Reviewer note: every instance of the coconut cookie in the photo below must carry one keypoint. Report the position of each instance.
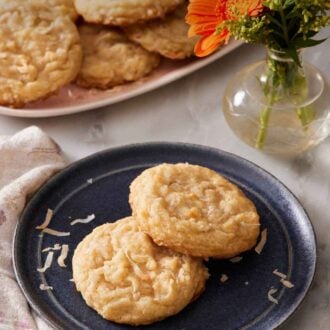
(110, 59)
(124, 12)
(128, 279)
(194, 210)
(168, 37)
(66, 6)
(39, 52)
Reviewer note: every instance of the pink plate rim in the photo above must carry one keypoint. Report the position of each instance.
(138, 89)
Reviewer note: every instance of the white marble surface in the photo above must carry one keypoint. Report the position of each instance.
(189, 110)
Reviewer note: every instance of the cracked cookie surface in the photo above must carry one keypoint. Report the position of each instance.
(124, 12)
(194, 210)
(168, 37)
(40, 52)
(110, 59)
(128, 279)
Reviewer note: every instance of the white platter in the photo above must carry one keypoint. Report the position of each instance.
(72, 99)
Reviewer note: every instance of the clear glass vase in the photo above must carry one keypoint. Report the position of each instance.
(278, 106)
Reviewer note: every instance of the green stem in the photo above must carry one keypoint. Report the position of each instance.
(286, 82)
(294, 36)
(263, 124)
(284, 27)
(306, 116)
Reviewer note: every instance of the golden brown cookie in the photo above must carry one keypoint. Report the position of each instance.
(40, 52)
(110, 59)
(66, 6)
(63, 6)
(194, 210)
(128, 279)
(124, 12)
(168, 37)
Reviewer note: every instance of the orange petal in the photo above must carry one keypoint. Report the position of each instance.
(202, 11)
(204, 16)
(202, 7)
(256, 8)
(208, 44)
(202, 29)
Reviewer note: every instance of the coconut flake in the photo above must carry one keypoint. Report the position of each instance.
(48, 218)
(270, 295)
(87, 220)
(56, 247)
(63, 255)
(279, 274)
(70, 94)
(223, 278)
(287, 283)
(45, 287)
(262, 242)
(90, 181)
(55, 232)
(283, 279)
(235, 259)
(48, 262)
(138, 271)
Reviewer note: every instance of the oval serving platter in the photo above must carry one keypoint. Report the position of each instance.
(72, 99)
(99, 185)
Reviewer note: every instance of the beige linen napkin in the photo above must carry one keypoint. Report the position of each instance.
(27, 160)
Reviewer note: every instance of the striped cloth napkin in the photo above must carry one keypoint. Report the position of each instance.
(27, 160)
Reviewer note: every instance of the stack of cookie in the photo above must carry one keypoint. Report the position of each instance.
(149, 266)
(123, 40)
(44, 46)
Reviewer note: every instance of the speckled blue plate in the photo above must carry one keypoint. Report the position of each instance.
(239, 303)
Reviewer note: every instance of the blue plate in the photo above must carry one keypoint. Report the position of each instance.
(239, 303)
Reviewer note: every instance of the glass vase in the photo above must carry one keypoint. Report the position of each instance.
(278, 105)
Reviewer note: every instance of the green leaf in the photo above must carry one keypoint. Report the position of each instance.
(274, 20)
(293, 23)
(278, 34)
(288, 3)
(301, 43)
(311, 34)
(291, 14)
(292, 52)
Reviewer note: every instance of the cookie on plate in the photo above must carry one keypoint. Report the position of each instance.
(110, 59)
(124, 12)
(194, 210)
(168, 37)
(39, 52)
(128, 279)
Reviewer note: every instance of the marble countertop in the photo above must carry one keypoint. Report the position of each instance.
(189, 110)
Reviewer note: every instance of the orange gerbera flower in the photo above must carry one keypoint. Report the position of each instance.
(204, 16)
